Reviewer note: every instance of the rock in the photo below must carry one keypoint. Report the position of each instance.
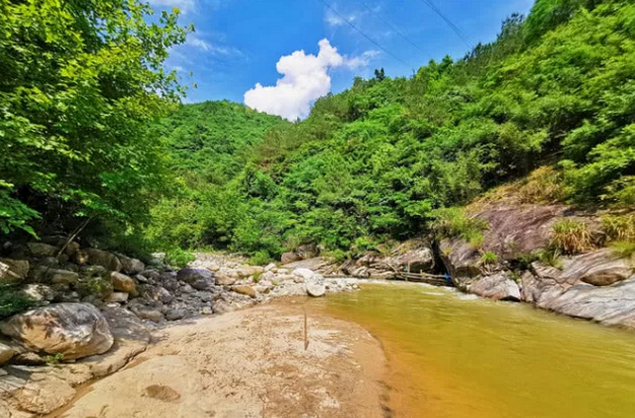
(315, 289)
(7, 352)
(39, 292)
(245, 290)
(39, 249)
(290, 257)
(13, 271)
(123, 283)
(270, 267)
(75, 330)
(497, 286)
(105, 259)
(225, 279)
(29, 359)
(610, 305)
(303, 273)
(315, 264)
(149, 314)
(62, 277)
(202, 284)
(117, 297)
(175, 314)
(161, 294)
(155, 275)
(44, 395)
(247, 271)
(49, 262)
(131, 338)
(81, 257)
(131, 265)
(71, 249)
(307, 251)
(190, 275)
(599, 268)
(94, 271)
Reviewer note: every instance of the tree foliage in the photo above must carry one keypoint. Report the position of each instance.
(79, 82)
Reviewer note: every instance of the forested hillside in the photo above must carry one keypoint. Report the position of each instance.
(83, 151)
(381, 159)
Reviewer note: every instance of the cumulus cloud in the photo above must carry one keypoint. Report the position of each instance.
(305, 79)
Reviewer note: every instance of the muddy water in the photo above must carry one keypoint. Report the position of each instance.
(451, 355)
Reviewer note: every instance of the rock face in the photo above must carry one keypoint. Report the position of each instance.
(597, 285)
(74, 330)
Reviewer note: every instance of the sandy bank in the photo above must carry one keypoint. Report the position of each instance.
(249, 363)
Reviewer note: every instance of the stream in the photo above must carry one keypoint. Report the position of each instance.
(454, 355)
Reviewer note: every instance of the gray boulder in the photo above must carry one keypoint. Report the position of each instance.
(74, 330)
(190, 275)
(40, 249)
(13, 271)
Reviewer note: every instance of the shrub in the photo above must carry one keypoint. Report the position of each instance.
(260, 258)
(571, 237)
(178, 257)
(12, 302)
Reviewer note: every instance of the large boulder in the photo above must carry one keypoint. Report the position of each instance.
(13, 271)
(122, 283)
(107, 260)
(74, 330)
(315, 289)
(191, 275)
(224, 279)
(7, 351)
(58, 276)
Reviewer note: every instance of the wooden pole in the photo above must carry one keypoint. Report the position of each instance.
(306, 332)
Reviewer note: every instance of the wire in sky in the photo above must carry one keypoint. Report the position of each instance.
(455, 28)
(393, 28)
(363, 34)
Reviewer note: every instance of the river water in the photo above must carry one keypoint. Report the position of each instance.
(452, 355)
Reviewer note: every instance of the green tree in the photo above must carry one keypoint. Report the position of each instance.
(79, 82)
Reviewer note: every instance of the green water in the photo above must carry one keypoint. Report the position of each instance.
(450, 355)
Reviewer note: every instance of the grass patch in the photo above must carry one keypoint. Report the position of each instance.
(619, 227)
(453, 223)
(550, 257)
(571, 237)
(488, 258)
(623, 249)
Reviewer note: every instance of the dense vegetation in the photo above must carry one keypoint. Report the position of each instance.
(81, 85)
(80, 81)
(380, 160)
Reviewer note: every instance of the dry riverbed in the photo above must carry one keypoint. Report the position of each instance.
(249, 363)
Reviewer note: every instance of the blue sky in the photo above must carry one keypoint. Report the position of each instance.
(238, 43)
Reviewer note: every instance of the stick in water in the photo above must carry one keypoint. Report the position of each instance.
(306, 337)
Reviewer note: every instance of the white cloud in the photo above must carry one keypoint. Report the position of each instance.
(213, 49)
(305, 79)
(334, 19)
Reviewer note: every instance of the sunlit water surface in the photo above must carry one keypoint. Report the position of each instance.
(451, 355)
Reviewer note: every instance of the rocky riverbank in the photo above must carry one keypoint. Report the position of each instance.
(518, 257)
(94, 311)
